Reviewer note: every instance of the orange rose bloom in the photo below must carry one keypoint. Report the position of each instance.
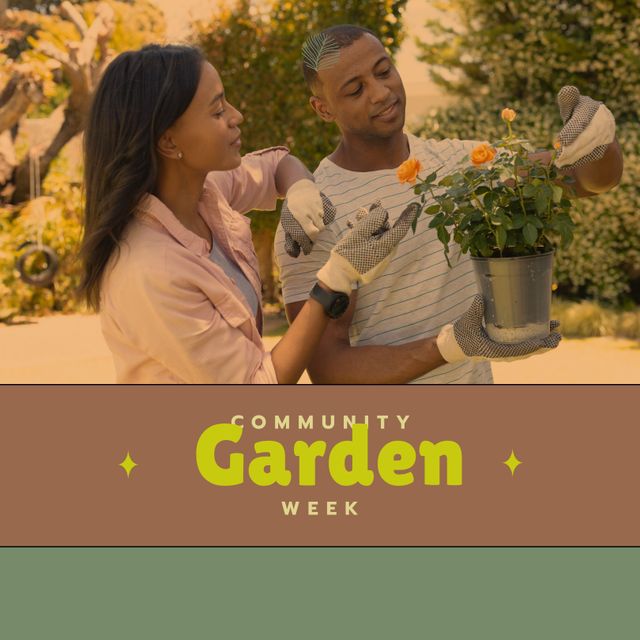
(408, 171)
(508, 115)
(557, 144)
(482, 153)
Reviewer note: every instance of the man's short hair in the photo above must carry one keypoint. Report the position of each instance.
(343, 35)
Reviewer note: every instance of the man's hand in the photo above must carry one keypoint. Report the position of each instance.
(589, 128)
(365, 251)
(305, 212)
(466, 339)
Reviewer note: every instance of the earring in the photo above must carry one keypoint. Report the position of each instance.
(179, 155)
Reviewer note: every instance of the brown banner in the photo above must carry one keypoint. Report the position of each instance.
(62, 483)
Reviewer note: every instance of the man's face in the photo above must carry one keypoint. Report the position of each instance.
(363, 92)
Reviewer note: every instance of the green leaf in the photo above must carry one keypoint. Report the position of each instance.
(437, 221)
(518, 220)
(443, 236)
(432, 210)
(505, 220)
(488, 200)
(530, 233)
(558, 192)
(501, 237)
(566, 235)
(542, 201)
(483, 246)
(448, 205)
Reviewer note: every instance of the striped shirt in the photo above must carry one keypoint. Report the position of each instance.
(418, 293)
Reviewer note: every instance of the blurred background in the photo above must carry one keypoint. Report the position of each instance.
(461, 61)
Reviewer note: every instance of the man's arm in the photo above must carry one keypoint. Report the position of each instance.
(335, 361)
(593, 178)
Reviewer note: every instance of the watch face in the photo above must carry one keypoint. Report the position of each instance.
(339, 305)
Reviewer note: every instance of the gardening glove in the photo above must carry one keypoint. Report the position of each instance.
(466, 339)
(589, 128)
(366, 250)
(305, 213)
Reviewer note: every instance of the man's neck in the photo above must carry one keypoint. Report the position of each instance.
(371, 154)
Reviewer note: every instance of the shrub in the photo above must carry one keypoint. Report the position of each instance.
(587, 319)
(58, 219)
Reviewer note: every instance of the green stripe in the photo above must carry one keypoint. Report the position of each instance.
(455, 594)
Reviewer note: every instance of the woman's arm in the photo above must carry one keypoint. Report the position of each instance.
(289, 171)
(296, 348)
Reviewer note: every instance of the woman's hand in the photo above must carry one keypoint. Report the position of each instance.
(365, 251)
(305, 204)
(305, 212)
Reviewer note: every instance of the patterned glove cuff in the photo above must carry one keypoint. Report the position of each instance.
(301, 185)
(448, 345)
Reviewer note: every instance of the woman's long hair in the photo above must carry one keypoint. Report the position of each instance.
(141, 94)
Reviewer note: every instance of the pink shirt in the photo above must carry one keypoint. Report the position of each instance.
(169, 314)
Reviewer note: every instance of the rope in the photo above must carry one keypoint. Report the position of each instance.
(35, 193)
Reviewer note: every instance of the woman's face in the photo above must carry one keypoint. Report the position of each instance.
(207, 133)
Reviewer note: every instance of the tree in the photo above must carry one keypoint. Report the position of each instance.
(255, 46)
(35, 5)
(66, 47)
(528, 49)
(519, 53)
(50, 62)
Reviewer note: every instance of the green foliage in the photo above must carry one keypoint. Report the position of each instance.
(520, 53)
(57, 216)
(136, 23)
(603, 262)
(506, 205)
(48, 6)
(518, 49)
(58, 219)
(587, 319)
(256, 48)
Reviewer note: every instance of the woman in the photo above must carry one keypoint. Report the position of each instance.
(168, 258)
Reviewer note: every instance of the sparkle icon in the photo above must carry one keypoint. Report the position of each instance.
(128, 464)
(512, 462)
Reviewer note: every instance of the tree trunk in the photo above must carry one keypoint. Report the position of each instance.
(263, 243)
(72, 125)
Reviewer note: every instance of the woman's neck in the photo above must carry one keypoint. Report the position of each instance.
(181, 191)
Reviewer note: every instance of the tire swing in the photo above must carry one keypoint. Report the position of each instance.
(38, 263)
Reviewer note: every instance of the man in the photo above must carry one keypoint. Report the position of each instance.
(400, 327)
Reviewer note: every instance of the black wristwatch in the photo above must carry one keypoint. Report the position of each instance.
(334, 303)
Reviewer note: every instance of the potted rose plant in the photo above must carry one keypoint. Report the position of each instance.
(509, 212)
